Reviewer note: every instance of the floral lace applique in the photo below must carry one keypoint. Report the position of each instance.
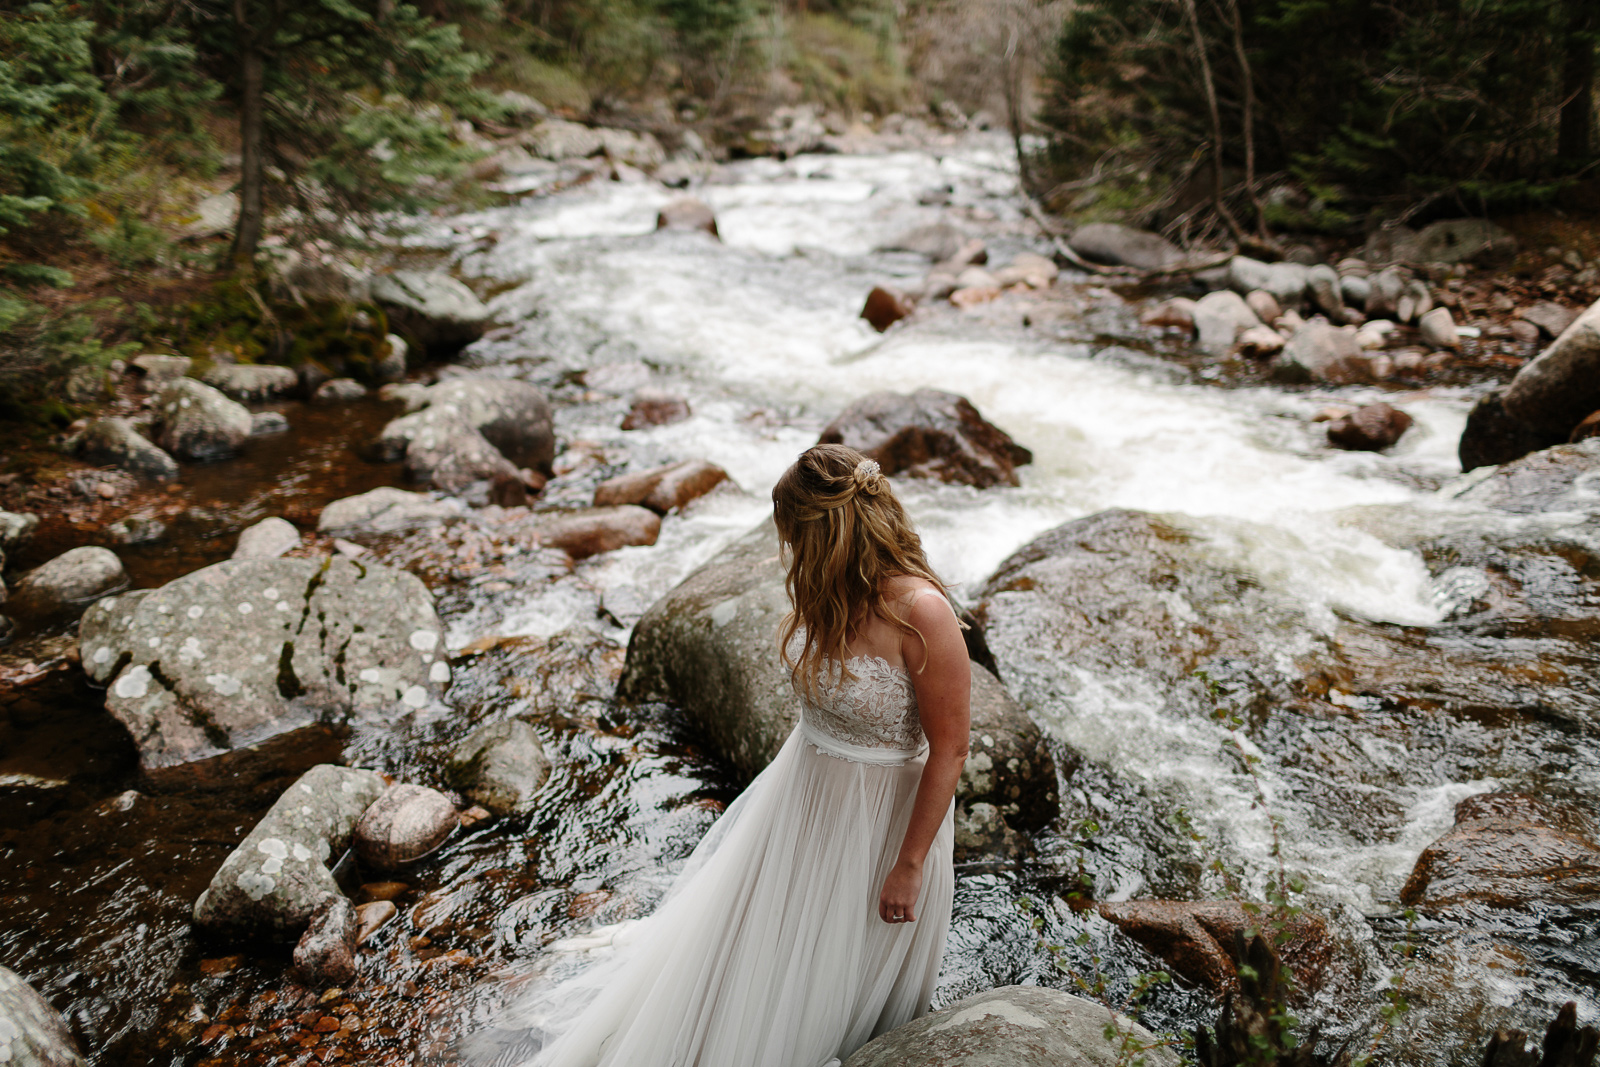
(876, 708)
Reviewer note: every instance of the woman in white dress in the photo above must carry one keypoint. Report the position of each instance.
(812, 917)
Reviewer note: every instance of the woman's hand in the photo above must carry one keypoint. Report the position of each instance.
(898, 901)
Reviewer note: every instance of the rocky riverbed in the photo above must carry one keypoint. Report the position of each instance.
(1221, 646)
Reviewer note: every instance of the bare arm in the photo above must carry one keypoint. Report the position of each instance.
(942, 678)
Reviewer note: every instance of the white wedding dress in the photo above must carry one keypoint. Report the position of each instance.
(768, 950)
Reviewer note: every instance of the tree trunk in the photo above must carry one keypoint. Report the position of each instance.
(1577, 85)
(247, 237)
(1210, 86)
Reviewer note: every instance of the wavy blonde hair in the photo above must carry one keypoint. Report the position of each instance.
(845, 535)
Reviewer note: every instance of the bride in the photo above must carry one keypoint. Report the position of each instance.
(812, 916)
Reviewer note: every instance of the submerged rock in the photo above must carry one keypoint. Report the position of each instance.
(929, 434)
(710, 647)
(402, 826)
(501, 767)
(1199, 939)
(1016, 1026)
(1509, 850)
(652, 407)
(198, 422)
(383, 511)
(1370, 428)
(247, 649)
(32, 1033)
(115, 442)
(1559, 478)
(433, 309)
(68, 583)
(280, 874)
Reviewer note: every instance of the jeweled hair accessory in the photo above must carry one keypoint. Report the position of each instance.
(869, 476)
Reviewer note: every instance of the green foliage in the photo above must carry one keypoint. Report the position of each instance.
(39, 345)
(851, 65)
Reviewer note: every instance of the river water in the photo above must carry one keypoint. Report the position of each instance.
(759, 331)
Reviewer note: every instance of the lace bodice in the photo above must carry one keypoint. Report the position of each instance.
(875, 708)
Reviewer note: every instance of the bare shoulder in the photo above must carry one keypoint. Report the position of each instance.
(910, 592)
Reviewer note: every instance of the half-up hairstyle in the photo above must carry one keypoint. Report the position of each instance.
(845, 535)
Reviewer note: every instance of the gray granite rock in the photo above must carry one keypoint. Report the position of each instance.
(448, 454)
(513, 416)
(16, 528)
(158, 370)
(252, 382)
(383, 511)
(326, 952)
(280, 874)
(1321, 353)
(500, 767)
(32, 1033)
(250, 648)
(1285, 281)
(435, 310)
(339, 391)
(267, 539)
(116, 443)
(1562, 386)
(1116, 245)
(1220, 318)
(199, 422)
(69, 582)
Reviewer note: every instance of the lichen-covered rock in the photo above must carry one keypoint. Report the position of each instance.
(32, 1033)
(280, 874)
(69, 583)
(116, 443)
(450, 455)
(252, 382)
(406, 823)
(513, 416)
(501, 766)
(385, 510)
(247, 649)
(929, 434)
(1016, 1026)
(198, 422)
(158, 370)
(267, 539)
(326, 952)
(661, 489)
(435, 310)
(710, 647)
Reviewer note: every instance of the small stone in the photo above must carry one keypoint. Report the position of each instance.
(1322, 281)
(267, 539)
(405, 824)
(1030, 269)
(1219, 318)
(115, 442)
(885, 307)
(475, 815)
(1264, 304)
(501, 766)
(383, 511)
(326, 952)
(687, 213)
(652, 407)
(1355, 289)
(1260, 342)
(266, 423)
(1524, 332)
(595, 530)
(339, 391)
(1438, 329)
(1177, 313)
(1371, 428)
(372, 917)
(661, 489)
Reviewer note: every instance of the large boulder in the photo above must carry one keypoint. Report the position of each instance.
(198, 422)
(1559, 478)
(500, 766)
(1017, 1026)
(929, 434)
(114, 442)
(1124, 246)
(281, 872)
(252, 382)
(1509, 850)
(384, 510)
(247, 649)
(513, 416)
(69, 583)
(432, 309)
(710, 647)
(32, 1033)
(1321, 353)
(1492, 436)
(1220, 318)
(1554, 392)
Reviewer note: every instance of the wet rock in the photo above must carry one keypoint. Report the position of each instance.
(1030, 269)
(1014, 1026)
(159, 370)
(1264, 304)
(1589, 427)
(973, 295)
(264, 423)
(137, 530)
(32, 1033)
(661, 489)
(1177, 313)
(687, 213)
(1122, 246)
(559, 139)
(1509, 850)
(501, 767)
(1370, 428)
(434, 310)
(1439, 329)
(929, 434)
(652, 407)
(1550, 318)
(68, 583)
(1492, 437)
(1260, 342)
(267, 539)
(1554, 392)
(326, 952)
(709, 647)
(247, 649)
(451, 455)
(391, 367)
(383, 511)
(338, 391)
(198, 422)
(938, 241)
(1285, 281)
(1199, 939)
(513, 416)
(589, 532)
(1322, 281)
(116, 443)
(16, 529)
(402, 826)
(279, 875)
(1355, 289)
(1321, 353)
(372, 917)
(252, 382)
(885, 307)
(1220, 318)
(101, 485)
(1555, 479)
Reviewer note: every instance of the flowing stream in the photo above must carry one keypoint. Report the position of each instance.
(759, 331)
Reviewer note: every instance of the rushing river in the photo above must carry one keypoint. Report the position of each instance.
(759, 331)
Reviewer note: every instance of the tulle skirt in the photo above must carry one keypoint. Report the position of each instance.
(768, 950)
